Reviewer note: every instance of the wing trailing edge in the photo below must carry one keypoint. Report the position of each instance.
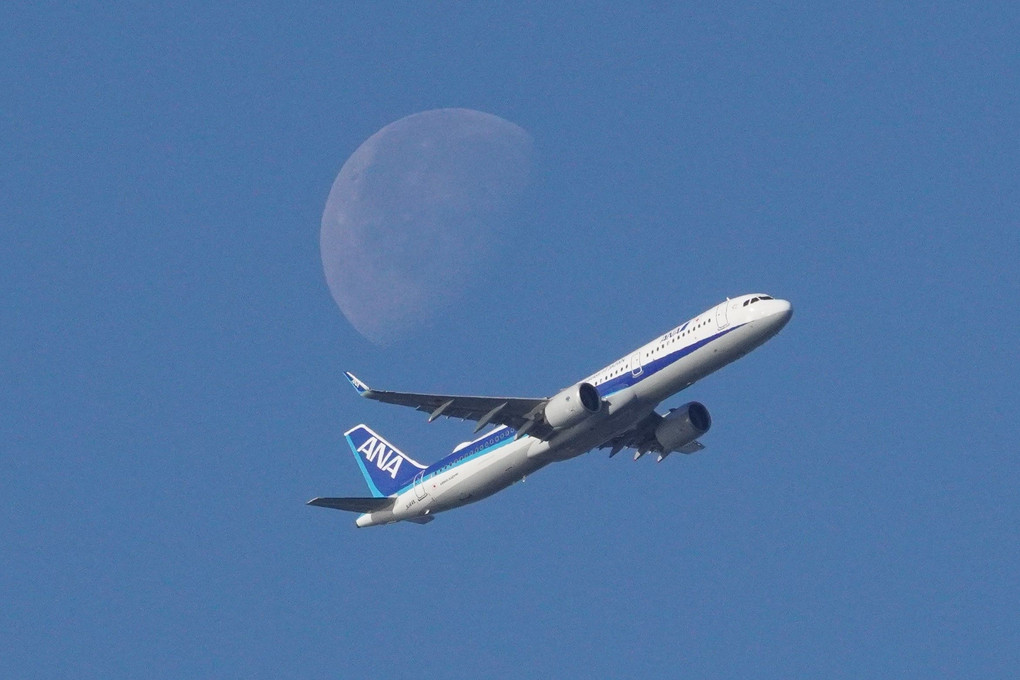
(522, 414)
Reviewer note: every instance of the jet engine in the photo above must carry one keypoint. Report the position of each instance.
(682, 426)
(572, 405)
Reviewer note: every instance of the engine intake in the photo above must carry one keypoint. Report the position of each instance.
(572, 405)
(682, 426)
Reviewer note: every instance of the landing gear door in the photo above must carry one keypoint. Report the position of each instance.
(419, 486)
(722, 315)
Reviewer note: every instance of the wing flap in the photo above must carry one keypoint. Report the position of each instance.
(693, 447)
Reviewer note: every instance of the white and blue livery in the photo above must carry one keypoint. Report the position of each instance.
(613, 408)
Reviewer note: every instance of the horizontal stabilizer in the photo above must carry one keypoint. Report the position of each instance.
(353, 504)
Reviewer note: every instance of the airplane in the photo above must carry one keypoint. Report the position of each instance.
(613, 408)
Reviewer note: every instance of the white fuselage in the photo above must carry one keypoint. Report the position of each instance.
(630, 387)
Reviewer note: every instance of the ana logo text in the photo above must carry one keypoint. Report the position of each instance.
(385, 458)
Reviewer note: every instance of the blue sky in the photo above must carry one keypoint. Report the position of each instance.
(172, 360)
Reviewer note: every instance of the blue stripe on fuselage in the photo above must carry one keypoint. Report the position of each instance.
(628, 379)
(498, 438)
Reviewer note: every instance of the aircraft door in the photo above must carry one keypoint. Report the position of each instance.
(419, 486)
(635, 364)
(722, 315)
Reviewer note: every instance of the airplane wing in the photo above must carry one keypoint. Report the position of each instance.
(642, 439)
(524, 415)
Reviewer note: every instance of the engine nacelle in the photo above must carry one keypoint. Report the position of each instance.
(682, 426)
(572, 405)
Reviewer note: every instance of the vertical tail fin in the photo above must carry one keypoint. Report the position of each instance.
(386, 468)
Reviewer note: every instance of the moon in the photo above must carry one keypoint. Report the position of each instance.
(414, 212)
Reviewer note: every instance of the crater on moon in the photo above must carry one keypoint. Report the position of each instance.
(413, 213)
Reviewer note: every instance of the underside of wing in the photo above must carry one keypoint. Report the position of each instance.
(522, 414)
(642, 439)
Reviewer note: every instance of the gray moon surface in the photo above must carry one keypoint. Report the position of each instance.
(413, 214)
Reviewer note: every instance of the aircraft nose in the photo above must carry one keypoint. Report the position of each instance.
(784, 307)
(782, 311)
